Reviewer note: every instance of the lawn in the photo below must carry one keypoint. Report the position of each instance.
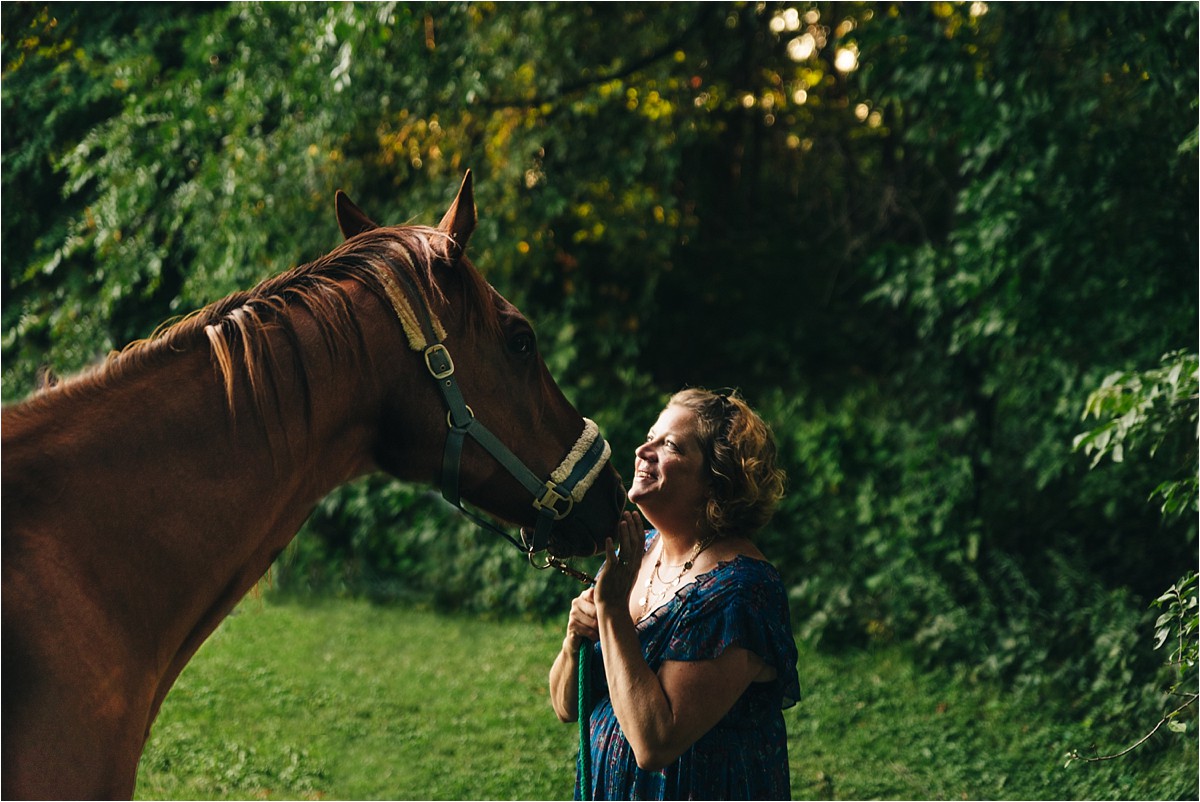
(346, 700)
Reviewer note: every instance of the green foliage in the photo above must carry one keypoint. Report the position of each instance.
(1179, 626)
(915, 235)
(1146, 410)
(1149, 409)
(1012, 294)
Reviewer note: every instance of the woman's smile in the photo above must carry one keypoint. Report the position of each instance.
(645, 474)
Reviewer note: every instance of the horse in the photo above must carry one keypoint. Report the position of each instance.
(143, 498)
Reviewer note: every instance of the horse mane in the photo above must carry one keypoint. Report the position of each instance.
(237, 327)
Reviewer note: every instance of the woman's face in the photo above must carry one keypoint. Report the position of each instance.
(669, 480)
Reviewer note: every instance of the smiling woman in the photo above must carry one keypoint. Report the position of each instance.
(692, 673)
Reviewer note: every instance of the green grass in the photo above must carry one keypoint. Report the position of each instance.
(345, 700)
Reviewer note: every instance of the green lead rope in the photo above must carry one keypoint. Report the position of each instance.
(584, 763)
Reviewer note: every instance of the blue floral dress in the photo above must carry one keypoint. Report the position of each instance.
(743, 603)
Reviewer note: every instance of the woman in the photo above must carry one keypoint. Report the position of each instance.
(695, 658)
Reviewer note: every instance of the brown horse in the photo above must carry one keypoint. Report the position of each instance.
(143, 499)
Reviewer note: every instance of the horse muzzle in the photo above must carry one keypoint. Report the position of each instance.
(591, 521)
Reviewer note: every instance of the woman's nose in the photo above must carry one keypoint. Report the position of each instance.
(643, 452)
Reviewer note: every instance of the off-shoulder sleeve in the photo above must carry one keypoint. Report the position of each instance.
(742, 603)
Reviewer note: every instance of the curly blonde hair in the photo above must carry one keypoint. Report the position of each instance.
(739, 458)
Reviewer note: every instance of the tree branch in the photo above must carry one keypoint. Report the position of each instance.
(1074, 753)
(584, 83)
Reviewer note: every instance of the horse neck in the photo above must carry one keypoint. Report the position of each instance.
(150, 491)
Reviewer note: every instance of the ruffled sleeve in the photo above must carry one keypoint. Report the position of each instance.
(741, 603)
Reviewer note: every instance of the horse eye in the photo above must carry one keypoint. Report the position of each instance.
(522, 344)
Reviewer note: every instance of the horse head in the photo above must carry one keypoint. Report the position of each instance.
(485, 420)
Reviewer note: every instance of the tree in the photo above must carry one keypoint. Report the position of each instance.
(915, 235)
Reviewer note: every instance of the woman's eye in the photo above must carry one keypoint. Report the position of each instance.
(522, 344)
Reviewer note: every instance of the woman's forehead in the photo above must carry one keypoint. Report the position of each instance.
(676, 420)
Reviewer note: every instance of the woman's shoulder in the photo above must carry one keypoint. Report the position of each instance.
(741, 601)
(730, 549)
(741, 557)
(741, 573)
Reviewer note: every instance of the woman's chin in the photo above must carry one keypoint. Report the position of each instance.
(643, 498)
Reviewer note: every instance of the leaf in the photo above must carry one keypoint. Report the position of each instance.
(1168, 596)
(1161, 637)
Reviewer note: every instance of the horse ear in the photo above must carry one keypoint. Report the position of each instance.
(459, 220)
(351, 219)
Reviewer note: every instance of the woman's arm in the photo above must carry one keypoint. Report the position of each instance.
(581, 629)
(563, 689)
(661, 714)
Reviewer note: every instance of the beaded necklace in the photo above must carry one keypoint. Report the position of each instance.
(674, 583)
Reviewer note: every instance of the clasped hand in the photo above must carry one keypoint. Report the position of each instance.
(610, 596)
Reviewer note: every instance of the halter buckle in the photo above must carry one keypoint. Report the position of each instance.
(550, 500)
(438, 361)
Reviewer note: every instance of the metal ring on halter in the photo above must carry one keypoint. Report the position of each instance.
(562, 568)
(450, 421)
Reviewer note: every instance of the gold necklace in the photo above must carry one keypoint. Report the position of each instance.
(674, 583)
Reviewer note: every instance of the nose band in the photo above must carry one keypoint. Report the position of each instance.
(589, 440)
